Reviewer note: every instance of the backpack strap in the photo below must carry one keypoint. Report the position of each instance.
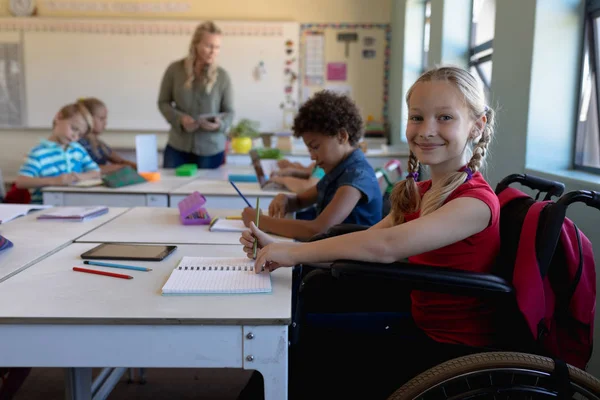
(561, 379)
(527, 279)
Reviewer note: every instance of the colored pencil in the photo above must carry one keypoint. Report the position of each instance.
(112, 265)
(93, 271)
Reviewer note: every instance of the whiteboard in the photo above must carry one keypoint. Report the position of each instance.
(122, 63)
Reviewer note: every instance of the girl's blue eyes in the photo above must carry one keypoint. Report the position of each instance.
(441, 118)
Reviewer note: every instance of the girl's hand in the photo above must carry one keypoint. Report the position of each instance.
(249, 237)
(279, 205)
(248, 215)
(275, 255)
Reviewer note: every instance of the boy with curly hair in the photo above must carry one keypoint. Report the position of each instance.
(331, 126)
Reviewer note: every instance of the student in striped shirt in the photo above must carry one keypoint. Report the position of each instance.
(59, 160)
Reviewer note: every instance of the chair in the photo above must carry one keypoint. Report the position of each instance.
(377, 318)
(387, 177)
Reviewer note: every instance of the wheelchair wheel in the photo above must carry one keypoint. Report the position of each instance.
(495, 375)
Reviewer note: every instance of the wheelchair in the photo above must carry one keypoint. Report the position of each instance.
(369, 299)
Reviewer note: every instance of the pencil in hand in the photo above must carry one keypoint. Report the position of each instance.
(255, 248)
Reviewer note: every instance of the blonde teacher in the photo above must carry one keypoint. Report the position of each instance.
(196, 99)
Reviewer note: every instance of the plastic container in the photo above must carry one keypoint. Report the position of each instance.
(186, 170)
(192, 211)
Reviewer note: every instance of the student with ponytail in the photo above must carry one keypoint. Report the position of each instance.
(451, 220)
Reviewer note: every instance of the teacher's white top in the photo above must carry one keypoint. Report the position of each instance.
(64, 296)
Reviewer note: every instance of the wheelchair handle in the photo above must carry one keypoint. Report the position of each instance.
(590, 198)
(551, 188)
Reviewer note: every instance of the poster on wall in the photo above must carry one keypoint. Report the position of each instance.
(314, 58)
(337, 71)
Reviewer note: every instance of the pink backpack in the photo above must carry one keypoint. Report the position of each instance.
(551, 266)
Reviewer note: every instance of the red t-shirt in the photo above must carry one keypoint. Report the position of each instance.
(460, 319)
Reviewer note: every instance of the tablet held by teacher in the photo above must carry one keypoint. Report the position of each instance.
(196, 99)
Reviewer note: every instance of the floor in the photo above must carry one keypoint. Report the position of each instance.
(162, 383)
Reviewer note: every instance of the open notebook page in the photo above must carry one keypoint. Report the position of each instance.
(216, 275)
(228, 225)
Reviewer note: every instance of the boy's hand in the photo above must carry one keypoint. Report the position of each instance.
(248, 215)
(279, 205)
(65, 179)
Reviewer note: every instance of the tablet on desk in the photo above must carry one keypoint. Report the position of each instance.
(136, 252)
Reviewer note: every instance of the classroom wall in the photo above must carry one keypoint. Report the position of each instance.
(537, 111)
(14, 144)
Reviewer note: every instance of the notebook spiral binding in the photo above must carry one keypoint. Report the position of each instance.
(216, 268)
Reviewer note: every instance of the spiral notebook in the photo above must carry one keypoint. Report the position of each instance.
(216, 275)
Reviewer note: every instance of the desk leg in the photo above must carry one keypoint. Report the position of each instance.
(78, 383)
(265, 350)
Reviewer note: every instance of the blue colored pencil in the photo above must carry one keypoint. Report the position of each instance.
(240, 193)
(111, 265)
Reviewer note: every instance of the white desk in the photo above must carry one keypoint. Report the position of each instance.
(377, 157)
(35, 239)
(149, 194)
(222, 195)
(54, 317)
(161, 225)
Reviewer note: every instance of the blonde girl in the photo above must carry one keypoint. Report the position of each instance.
(101, 153)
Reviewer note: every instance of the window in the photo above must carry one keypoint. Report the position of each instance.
(426, 34)
(587, 138)
(482, 35)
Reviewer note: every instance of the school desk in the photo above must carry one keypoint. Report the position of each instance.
(376, 156)
(34, 239)
(150, 194)
(161, 225)
(222, 195)
(55, 317)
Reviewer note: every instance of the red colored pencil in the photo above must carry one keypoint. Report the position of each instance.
(93, 271)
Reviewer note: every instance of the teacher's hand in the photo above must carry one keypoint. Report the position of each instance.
(209, 126)
(189, 124)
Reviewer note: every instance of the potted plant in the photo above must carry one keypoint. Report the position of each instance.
(241, 135)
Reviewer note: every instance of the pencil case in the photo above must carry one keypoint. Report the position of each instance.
(186, 170)
(192, 211)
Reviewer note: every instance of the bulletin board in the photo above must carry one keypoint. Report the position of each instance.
(351, 59)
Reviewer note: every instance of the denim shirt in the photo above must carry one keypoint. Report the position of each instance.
(354, 171)
(100, 154)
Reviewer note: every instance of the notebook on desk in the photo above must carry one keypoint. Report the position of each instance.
(227, 225)
(216, 275)
(8, 212)
(88, 183)
(75, 213)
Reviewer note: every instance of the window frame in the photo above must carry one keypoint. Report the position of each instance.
(591, 37)
(475, 57)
